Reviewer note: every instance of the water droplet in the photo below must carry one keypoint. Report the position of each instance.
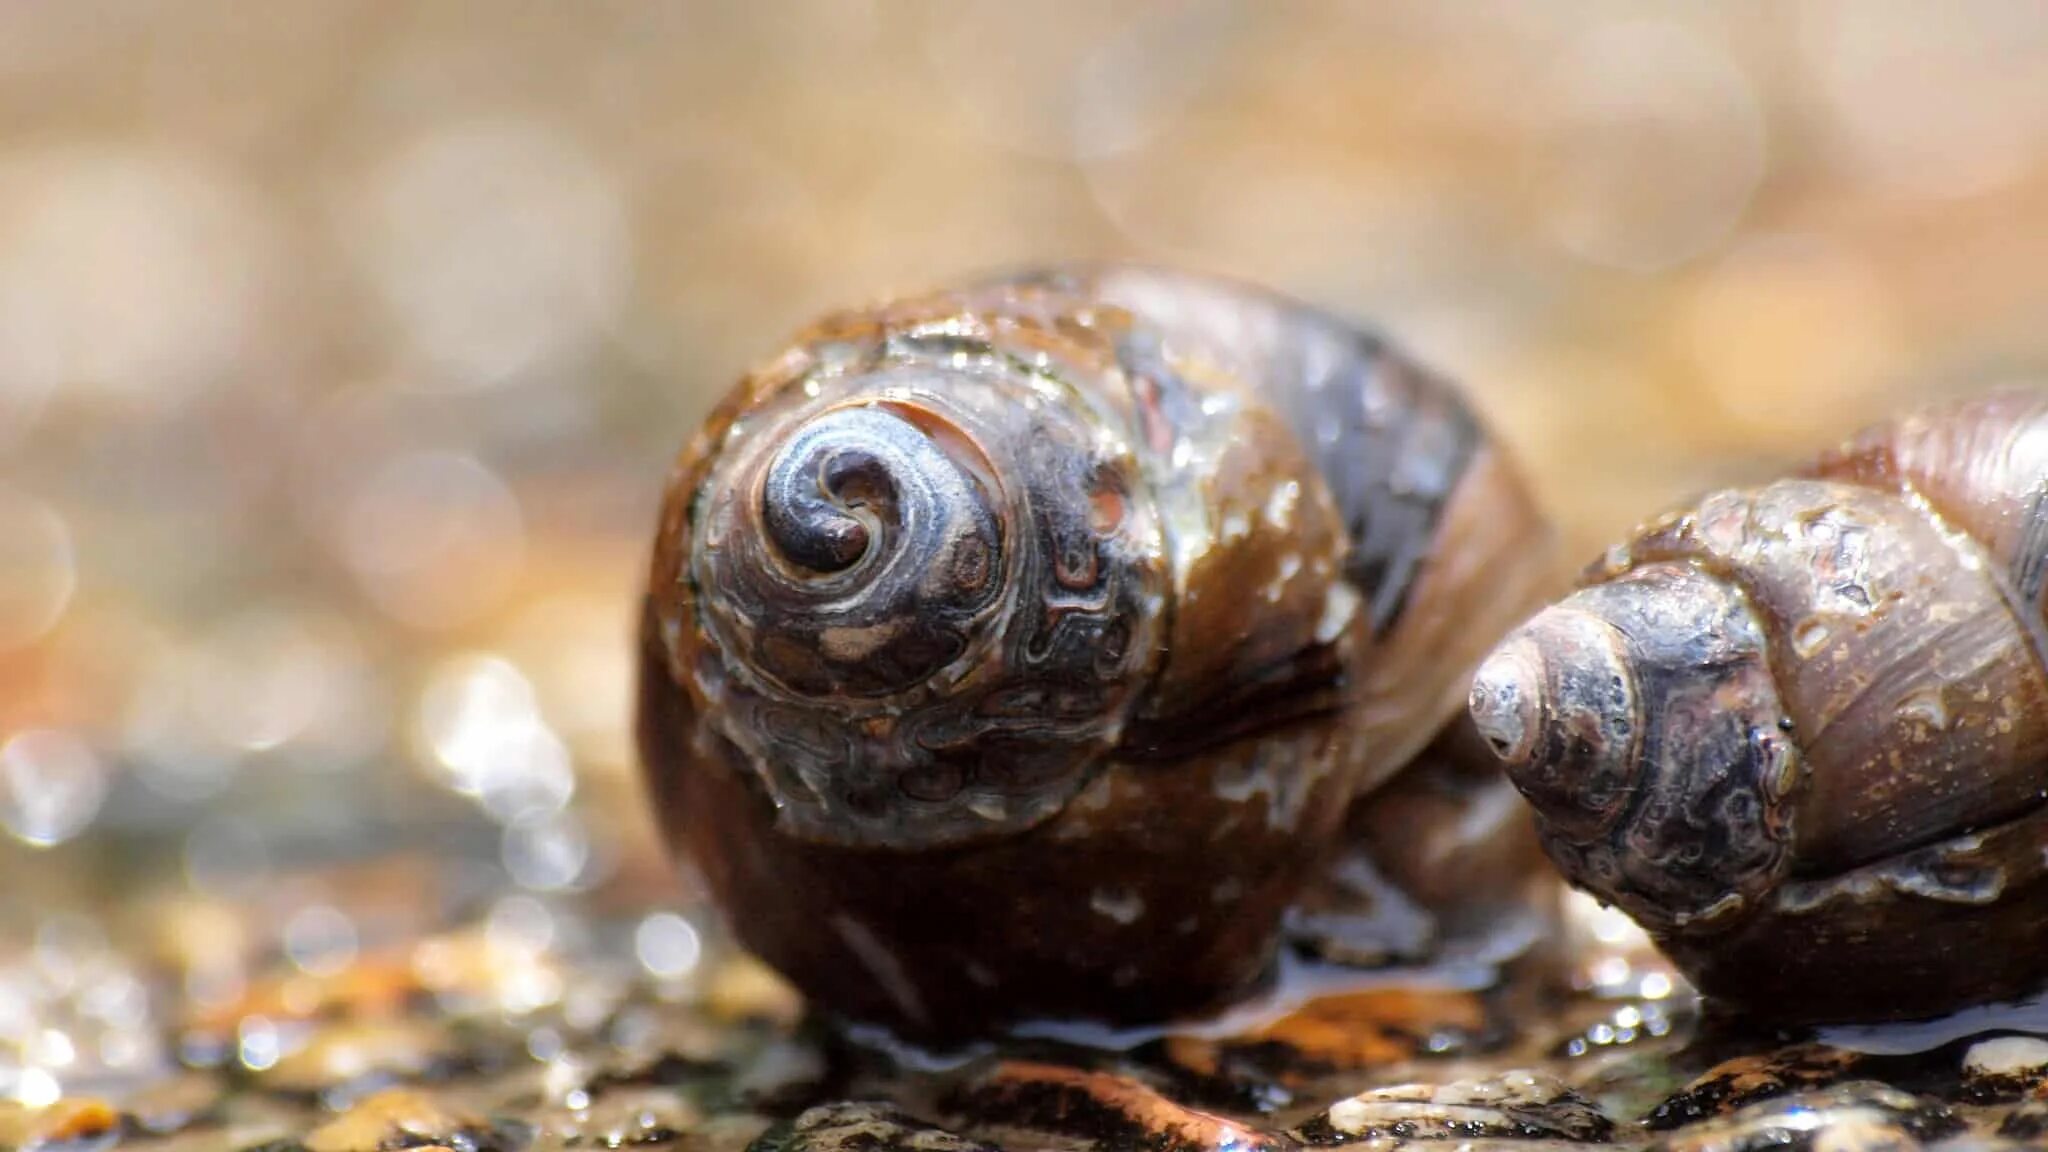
(1123, 905)
(667, 945)
(479, 717)
(258, 1043)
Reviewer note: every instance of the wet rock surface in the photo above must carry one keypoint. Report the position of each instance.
(854, 1126)
(552, 1027)
(1858, 1115)
(1516, 1105)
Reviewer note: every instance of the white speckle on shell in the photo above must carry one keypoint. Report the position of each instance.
(852, 644)
(1123, 905)
(1290, 567)
(987, 807)
(1338, 610)
(1287, 772)
(1280, 508)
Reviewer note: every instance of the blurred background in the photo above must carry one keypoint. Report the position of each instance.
(344, 346)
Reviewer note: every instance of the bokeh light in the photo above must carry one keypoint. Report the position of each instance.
(1631, 98)
(127, 272)
(51, 786)
(38, 569)
(499, 247)
(435, 538)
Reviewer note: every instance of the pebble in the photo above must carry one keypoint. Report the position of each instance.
(400, 1118)
(1859, 1116)
(743, 989)
(435, 1053)
(625, 1118)
(1358, 1031)
(72, 1121)
(2005, 1067)
(856, 1126)
(175, 1104)
(345, 1059)
(1517, 1105)
(1745, 1080)
(1109, 1110)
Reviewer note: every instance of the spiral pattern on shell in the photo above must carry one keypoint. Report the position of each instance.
(1640, 720)
(1027, 649)
(1800, 730)
(880, 547)
(930, 593)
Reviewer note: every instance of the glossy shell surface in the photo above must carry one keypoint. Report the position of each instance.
(1020, 650)
(1800, 731)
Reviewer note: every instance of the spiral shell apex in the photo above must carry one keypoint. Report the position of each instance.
(921, 639)
(1640, 719)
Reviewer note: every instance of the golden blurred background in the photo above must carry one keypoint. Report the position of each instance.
(343, 346)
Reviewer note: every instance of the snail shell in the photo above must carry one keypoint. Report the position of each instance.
(1019, 651)
(1800, 732)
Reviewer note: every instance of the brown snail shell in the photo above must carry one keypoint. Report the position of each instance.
(1019, 651)
(1800, 732)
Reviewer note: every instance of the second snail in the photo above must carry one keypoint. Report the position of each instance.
(1800, 731)
(1049, 646)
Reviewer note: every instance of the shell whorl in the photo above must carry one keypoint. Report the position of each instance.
(879, 547)
(1640, 719)
(928, 590)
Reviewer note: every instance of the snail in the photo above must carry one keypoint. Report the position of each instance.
(1800, 731)
(1018, 651)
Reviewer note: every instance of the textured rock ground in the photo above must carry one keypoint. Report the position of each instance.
(483, 1041)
